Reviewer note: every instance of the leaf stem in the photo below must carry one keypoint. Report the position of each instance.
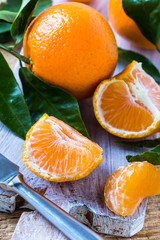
(17, 55)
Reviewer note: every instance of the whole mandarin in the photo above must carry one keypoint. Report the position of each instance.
(71, 45)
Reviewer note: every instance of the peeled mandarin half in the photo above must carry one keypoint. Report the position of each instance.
(129, 185)
(56, 152)
(128, 105)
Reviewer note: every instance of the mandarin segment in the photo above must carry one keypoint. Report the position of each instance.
(71, 45)
(129, 185)
(56, 152)
(128, 105)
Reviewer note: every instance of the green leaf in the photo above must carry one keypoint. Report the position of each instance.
(142, 143)
(12, 5)
(43, 98)
(5, 35)
(9, 12)
(152, 156)
(129, 56)
(146, 14)
(42, 5)
(13, 109)
(7, 16)
(22, 20)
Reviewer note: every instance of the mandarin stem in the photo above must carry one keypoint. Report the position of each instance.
(17, 55)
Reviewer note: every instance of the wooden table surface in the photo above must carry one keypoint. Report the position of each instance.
(151, 228)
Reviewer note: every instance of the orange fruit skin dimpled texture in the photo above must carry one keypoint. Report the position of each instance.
(56, 152)
(129, 185)
(72, 46)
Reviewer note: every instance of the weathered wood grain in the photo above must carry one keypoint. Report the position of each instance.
(83, 191)
(151, 230)
(88, 192)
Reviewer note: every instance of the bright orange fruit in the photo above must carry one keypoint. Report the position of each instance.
(125, 26)
(128, 105)
(83, 1)
(71, 46)
(129, 185)
(56, 152)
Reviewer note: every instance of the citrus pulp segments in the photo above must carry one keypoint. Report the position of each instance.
(56, 152)
(129, 185)
(128, 105)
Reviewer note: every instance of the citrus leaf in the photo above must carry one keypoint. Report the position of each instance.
(43, 98)
(9, 12)
(152, 156)
(13, 109)
(22, 20)
(7, 16)
(12, 5)
(146, 14)
(5, 35)
(129, 56)
(42, 5)
(142, 143)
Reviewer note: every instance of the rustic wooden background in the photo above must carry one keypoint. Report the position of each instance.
(151, 228)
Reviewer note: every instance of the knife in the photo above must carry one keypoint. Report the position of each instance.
(11, 179)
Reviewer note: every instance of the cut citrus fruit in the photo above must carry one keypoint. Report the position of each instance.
(128, 105)
(56, 152)
(129, 185)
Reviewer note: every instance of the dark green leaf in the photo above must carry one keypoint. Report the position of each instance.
(7, 16)
(142, 143)
(129, 56)
(42, 98)
(4, 27)
(5, 35)
(9, 12)
(22, 20)
(152, 156)
(42, 5)
(146, 14)
(13, 109)
(12, 5)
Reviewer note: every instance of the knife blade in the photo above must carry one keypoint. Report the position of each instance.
(72, 228)
(8, 170)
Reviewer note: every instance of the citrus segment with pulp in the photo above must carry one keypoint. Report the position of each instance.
(129, 185)
(128, 105)
(56, 152)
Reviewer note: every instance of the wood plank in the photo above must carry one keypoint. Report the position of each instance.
(151, 230)
(55, 192)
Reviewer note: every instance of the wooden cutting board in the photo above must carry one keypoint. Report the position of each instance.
(84, 198)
